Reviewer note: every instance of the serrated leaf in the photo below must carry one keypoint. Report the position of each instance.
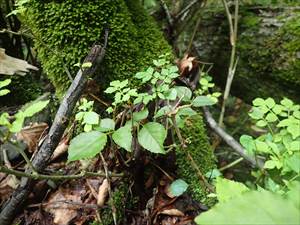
(256, 113)
(152, 137)
(86, 145)
(286, 102)
(202, 101)
(227, 189)
(178, 187)
(91, 118)
(106, 124)
(183, 93)
(123, 137)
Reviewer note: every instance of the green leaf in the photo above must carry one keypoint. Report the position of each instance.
(255, 208)
(4, 92)
(86, 65)
(227, 189)
(295, 145)
(248, 143)
(35, 108)
(271, 117)
(294, 130)
(294, 162)
(183, 93)
(261, 123)
(261, 146)
(141, 115)
(256, 113)
(270, 164)
(106, 124)
(163, 111)
(258, 102)
(152, 137)
(202, 101)
(86, 145)
(286, 102)
(91, 118)
(123, 137)
(171, 94)
(277, 109)
(186, 112)
(5, 82)
(270, 102)
(178, 187)
(110, 90)
(4, 119)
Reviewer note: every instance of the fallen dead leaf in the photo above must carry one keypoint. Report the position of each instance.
(186, 64)
(102, 193)
(10, 65)
(61, 148)
(62, 212)
(32, 134)
(171, 212)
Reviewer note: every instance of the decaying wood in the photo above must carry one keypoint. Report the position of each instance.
(57, 129)
(10, 65)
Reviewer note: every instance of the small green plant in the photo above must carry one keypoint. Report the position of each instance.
(130, 112)
(4, 83)
(86, 116)
(279, 145)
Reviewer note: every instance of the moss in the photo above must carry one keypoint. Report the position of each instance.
(268, 48)
(201, 151)
(65, 30)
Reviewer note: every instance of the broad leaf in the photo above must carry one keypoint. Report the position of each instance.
(202, 101)
(152, 137)
(35, 108)
(227, 189)
(141, 115)
(183, 93)
(255, 208)
(178, 187)
(86, 145)
(123, 137)
(106, 124)
(91, 118)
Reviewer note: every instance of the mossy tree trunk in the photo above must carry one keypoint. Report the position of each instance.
(65, 30)
(268, 50)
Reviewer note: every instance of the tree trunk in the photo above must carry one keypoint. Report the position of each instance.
(268, 50)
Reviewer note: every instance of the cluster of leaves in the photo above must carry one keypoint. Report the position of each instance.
(240, 205)
(20, 6)
(14, 123)
(130, 112)
(280, 144)
(4, 83)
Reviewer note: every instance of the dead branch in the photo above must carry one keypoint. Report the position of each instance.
(57, 129)
(230, 140)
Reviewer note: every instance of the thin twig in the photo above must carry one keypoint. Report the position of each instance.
(114, 210)
(231, 164)
(188, 7)
(233, 27)
(168, 14)
(38, 176)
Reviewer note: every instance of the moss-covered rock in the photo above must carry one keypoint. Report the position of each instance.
(65, 30)
(268, 50)
(200, 150)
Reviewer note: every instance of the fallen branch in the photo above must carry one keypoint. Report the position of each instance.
(83, 174)
(230, 140)
(57, 129)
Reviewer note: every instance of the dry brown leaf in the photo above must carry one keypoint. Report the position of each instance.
(102, 193)
(171, 212)
(10, 65)
(61, 148)
(32, 134)
(62, 212)
(186, 64)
